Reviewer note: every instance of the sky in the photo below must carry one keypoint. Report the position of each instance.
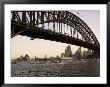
(22, 45)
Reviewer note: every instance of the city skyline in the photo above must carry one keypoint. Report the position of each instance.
(67, 53)
(44, 51)
(39, 47)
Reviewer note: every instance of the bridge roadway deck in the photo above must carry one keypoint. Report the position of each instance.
(36, 32)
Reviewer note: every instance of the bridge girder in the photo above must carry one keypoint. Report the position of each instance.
(35, 18)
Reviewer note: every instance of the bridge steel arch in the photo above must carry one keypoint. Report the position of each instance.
(23, 21)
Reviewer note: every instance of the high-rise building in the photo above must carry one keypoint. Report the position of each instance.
(68, 52)
(78, 53)
(62, 54)
(86, 53)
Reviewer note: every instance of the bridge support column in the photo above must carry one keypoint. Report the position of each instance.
(24, 17)
(13, 16)
(34, 18)
(31, 21)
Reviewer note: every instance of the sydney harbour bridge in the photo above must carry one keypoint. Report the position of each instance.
(60, 26)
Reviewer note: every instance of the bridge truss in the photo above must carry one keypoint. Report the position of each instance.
(61, 26)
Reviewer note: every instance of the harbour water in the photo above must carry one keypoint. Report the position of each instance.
(88, 68)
